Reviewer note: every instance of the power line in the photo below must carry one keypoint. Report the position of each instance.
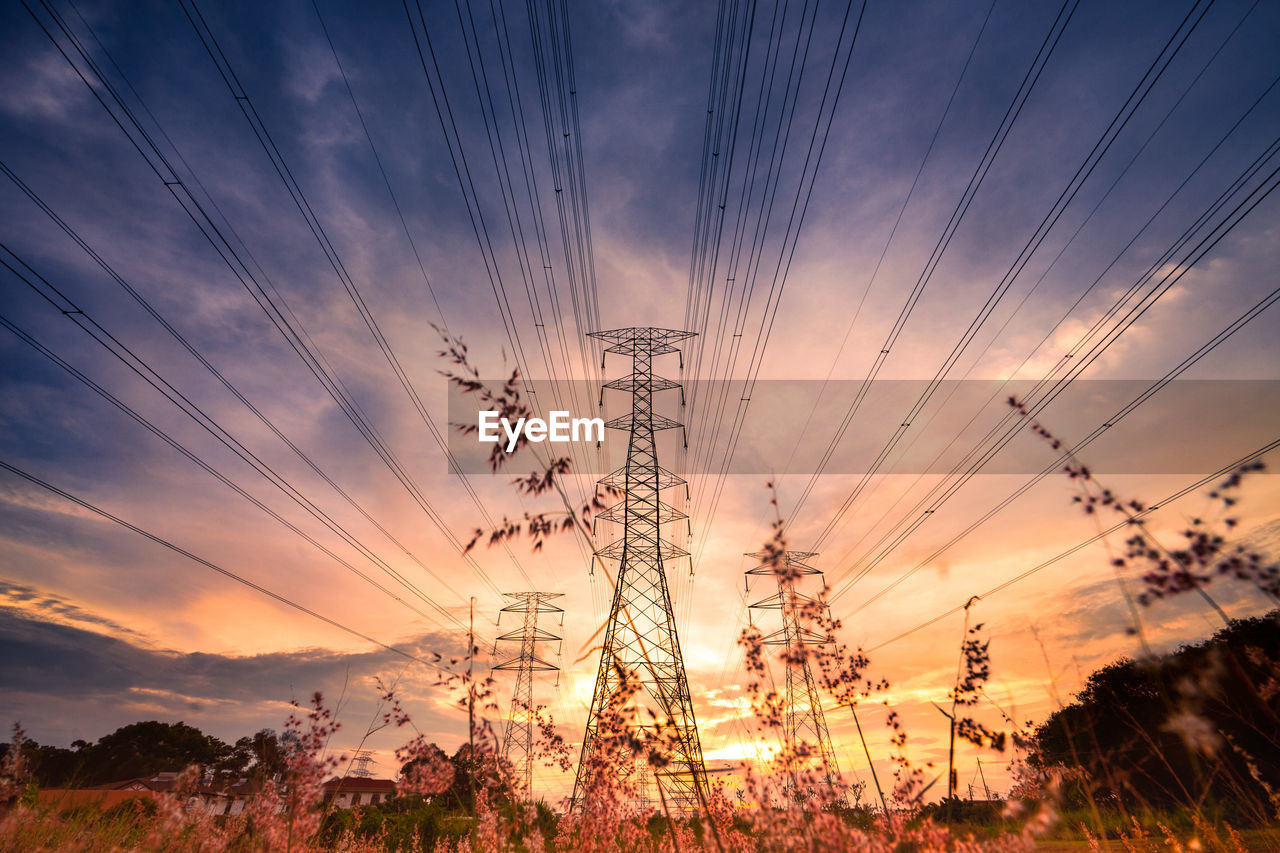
(915, 517)
(556, 83)
(1151, 391)
(1165, 282)
(76, 314)
(1028, 83)
(1064, 199)
(578, 256)
(1244, 460)
(197, 460)
(884, 251)
(462, 170)
(466, 184)
(417, 257)
(795, 222)
(744, 283)
(998, 139)
(511, 206)
(267, 297)
(210, 43)
(386, 180)
(282, 599)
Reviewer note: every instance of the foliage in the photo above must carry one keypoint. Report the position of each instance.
(144, 749)
(508, 401)
(1219, 745)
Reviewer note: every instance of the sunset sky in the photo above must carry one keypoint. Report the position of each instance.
(1075, 186)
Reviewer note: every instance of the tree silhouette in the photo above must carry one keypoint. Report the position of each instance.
(1201, 724)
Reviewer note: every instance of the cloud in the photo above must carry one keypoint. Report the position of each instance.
(28, 602)
(104, 627)
(48, 92)
(101, 681)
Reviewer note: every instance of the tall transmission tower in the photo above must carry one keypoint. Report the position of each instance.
(804, 722)
(517, 745)
(640, 640)
(360, 764)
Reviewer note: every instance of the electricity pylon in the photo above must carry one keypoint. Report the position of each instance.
(804, 722)
(517, 745)
(640, 643)
(360, 764)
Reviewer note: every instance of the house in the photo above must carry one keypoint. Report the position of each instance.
(348, 791)
(210, 798)
(207, 797)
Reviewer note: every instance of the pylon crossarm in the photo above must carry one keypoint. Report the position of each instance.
(643, 341)
(538, 634)
(522, 601)
(784, 556)
(538, 665)
(618, 479)
(773, 602)
(634, 381)
(655, 422)
(791, 599)
(791, 569)
(618, 513)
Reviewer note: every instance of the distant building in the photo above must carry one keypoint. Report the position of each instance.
(358, 791)
(210, 798)
(207, 797)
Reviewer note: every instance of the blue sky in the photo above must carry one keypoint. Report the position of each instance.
(642, 75)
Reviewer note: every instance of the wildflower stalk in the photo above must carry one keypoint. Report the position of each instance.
(955, 697)
(870, 763)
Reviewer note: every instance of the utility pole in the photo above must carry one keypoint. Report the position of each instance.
(804, 721)
(471, 705)
(640, 642)
(517, 745)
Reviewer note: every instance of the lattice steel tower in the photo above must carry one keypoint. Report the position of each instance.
(517, 745)
(804, 722)
(640, 637)
(360, 764)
